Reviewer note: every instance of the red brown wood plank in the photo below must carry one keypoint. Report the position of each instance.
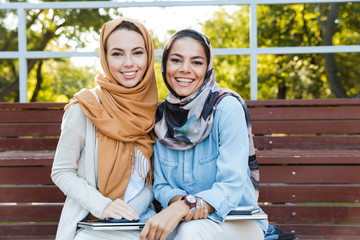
(31, 194)
(30, 213)
(31, 116)
(327, 237)
(26, 158)
(308, 156)
(312, 213)
(25, 175)
(307, 127)
(303, 102)
(322, 229)
(28, 144)
(334, 174)
(28, 229)
(31, 129)
(305, 113)
(295, 193)
(28, 237)
(308, 142)
(38, 105)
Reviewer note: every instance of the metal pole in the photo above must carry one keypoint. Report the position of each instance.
(253, 55)
(22, 45)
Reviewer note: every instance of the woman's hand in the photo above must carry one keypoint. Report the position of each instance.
(200, 212)
(162, 224)
(119, 209)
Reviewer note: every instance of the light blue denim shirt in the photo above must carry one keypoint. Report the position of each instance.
(215, 170)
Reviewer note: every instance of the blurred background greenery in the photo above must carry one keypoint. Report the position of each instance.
(295, 76)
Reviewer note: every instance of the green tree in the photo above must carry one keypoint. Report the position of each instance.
(227, 30)
(290, 76)
(45, 27)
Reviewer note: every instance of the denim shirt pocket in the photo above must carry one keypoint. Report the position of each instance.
(167, 163)
(208, 158)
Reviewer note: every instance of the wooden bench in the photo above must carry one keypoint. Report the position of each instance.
(308, 152)
(309, 159)
(30, 203)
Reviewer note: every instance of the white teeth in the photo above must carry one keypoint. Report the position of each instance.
(129, 73)
(184, 80)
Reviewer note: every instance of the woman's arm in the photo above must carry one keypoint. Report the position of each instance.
(163, 191)
(142, 200)
(232, 162)
(65, 167)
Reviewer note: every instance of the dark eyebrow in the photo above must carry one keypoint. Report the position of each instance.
(122, 50)
(180, 56)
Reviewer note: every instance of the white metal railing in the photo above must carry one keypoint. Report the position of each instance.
(23, 54)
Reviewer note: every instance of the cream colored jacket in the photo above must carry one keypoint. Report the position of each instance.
(74, 172)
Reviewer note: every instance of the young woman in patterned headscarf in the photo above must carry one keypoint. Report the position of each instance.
(204, 158)
(103, 156)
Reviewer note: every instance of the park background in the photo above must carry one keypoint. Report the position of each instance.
(279, 76)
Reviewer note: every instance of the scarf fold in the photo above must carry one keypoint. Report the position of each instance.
(182, 122)
(124, 118)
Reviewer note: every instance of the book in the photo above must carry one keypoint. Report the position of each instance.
(246, 213)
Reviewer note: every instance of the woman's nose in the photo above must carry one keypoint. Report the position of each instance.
(185, 67)
(128, 61)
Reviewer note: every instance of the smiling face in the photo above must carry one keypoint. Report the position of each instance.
(126, 57)
(186, 66)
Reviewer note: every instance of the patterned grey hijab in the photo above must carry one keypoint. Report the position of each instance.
(182, 122)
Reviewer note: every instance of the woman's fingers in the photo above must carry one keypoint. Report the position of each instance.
(119, 209)
(190, 215)
(125, 210)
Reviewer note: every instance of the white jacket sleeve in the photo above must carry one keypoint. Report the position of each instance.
(76, 184)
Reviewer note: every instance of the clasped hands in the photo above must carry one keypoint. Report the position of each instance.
(163, 223)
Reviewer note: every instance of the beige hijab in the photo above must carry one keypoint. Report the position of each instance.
(125, 118)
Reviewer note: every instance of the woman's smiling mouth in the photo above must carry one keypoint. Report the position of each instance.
(129, 74)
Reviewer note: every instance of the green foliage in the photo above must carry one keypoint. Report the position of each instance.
(279, 76)
(287, 76)
(49, 29)
(62, 80)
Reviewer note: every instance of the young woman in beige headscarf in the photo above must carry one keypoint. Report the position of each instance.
(102, 161)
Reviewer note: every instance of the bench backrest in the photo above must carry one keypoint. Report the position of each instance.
(308, 152)
(30, 204)
(309, 157)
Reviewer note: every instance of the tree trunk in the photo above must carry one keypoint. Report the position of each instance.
(39, 81)
(330, 61)
(282, 89)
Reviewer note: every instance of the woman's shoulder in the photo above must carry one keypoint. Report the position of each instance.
(229, 103)
(74, 112)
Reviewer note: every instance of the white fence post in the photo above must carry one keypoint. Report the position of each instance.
(22, 45)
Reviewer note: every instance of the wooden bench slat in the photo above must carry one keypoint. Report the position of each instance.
(25, 175)
(322, 229)
(32, 105)
(26, 158)
(306, 113)
(308, 156)
(28, 144)
(31, 129)
(306, 127)
(308, 142)
(327, 237)
(26, 229)
(31, 194)
(303, 102)
(312, 213)
(335, 174)
(30, 213)
(28, 237)
(295, 193)
(28, 116)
